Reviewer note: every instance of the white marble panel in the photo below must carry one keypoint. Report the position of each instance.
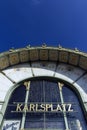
(2, 95)
(83, 82)
(81, 91)
(5, 83)
(18, 73)
(43, 69)
(0, 107)
(63, 77)
(68, 73)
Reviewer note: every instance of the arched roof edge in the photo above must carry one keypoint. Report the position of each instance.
(44, 53)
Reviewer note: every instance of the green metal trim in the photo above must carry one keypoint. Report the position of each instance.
(59, 49)
(64, 113)
(4, 106)
(2, 112)
(26, 102)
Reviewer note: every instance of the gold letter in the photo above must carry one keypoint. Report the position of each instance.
(69, 108)
(25, 108)
(32, 106)
(43, 107)
(52, 109)
(37, 108)
(48, 106)
(64, 107)
(59, 108)
(19, 107)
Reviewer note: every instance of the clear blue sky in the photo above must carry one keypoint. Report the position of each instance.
(34, 22)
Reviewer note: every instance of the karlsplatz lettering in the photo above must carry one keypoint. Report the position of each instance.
(44, 107)
(12, 126)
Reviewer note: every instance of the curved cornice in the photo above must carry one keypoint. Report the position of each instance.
(44, 53)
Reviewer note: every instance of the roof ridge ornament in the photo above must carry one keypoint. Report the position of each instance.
(28, 46)
(12, 49)
(76, 49)
(44, 45)
(59, 46)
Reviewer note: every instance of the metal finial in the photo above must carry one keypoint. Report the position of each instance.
(76, 49)
(60, 84)
(59, 46)
(28, 46)
(44, 45)
(12, 49)
(27, 85)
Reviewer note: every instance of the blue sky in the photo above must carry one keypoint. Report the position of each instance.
(34, 22)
